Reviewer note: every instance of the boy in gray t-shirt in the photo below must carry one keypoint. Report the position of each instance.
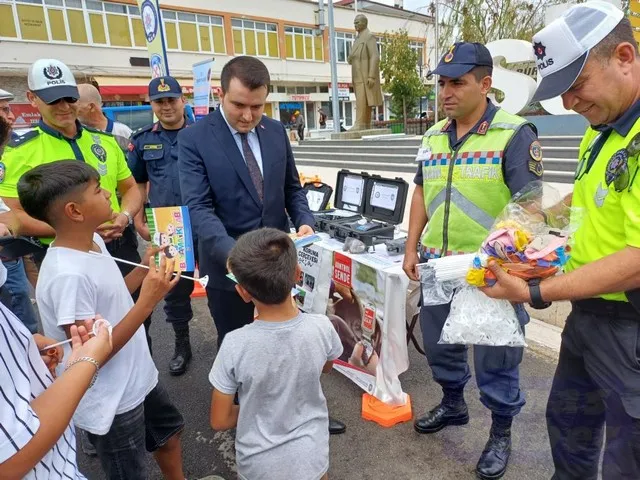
(274, 364)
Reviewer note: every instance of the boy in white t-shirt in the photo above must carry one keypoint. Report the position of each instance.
(127, 412)
(275, 365)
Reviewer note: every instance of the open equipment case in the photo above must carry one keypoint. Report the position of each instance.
(349, 201)
(383, 208)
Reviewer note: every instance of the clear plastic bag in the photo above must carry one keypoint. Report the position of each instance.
(476, 319)
(530, 237)
(435, 292)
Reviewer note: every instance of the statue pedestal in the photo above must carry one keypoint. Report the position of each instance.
(357, 134)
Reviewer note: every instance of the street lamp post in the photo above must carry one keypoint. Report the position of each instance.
(437, 59)
(420, 70)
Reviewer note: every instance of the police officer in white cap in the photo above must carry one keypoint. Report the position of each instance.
(589, 57)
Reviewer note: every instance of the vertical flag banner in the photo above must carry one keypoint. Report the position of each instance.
(202, 88)
(154, 34)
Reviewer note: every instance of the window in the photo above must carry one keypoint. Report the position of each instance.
(418, 47)
(255, 38)
(106, 23)
(193, 33)
(302, 44)
(344, 43)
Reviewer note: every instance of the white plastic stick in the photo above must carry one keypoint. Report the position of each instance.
(202, 281)
(94, 332)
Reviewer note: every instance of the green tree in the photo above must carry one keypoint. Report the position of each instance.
(401, 80)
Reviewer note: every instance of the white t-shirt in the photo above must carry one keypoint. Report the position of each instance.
(283, 425)
(23, 377)
(75, 285)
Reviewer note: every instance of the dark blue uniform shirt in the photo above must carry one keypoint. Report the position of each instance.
(516, 160)
(153, 158)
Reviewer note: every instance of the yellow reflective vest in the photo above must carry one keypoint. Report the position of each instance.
(464, 189)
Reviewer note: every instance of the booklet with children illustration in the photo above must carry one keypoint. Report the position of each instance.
(170, 227)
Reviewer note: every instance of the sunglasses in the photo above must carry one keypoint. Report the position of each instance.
(66, 99)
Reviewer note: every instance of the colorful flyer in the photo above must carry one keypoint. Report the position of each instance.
(170, 227)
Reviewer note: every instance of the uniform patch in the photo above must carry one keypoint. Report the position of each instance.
(99, 152)
(482, 129)
(130, 147)
(535, 150)
(102, 169)
(536, 168)
(2, 171)
(617, 171)
(96, 139)
(158, 146)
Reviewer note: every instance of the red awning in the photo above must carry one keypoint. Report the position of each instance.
(123, 90)
(112, 90)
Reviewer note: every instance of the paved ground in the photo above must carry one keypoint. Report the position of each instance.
(366, 451)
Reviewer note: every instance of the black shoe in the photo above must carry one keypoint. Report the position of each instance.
(336, 426)
(181, 358)
(495, 457)
(442, 416)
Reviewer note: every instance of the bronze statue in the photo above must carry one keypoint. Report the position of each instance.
(365, 73)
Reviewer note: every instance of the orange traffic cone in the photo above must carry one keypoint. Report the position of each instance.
(198, 290)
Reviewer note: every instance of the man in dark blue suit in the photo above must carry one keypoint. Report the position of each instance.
(237, 174)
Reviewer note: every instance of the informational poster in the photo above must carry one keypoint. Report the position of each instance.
(170, 227)
(315, 280)
(356, 309)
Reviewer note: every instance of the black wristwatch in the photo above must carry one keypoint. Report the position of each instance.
(536, 297)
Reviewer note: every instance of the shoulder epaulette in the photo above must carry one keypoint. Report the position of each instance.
(146, 128)
(24, 138)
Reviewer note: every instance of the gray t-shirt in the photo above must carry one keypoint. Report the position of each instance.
(283, 430)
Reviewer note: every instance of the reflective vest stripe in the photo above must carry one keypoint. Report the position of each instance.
(437, 253)
(505, 126)
(469, 208)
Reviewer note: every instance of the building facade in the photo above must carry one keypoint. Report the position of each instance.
(103, 41)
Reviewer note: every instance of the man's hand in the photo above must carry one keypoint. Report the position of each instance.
(371, 82)
(159, 281)
(111, 230)
(410, 265)
(507, 286)
(4, 230)
(305, 230)
(143, 230)
(52, 356)
(84, 345)
(150, 253)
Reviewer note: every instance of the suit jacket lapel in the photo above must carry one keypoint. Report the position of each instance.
(230, 150)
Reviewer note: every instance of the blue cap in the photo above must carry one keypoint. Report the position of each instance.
(164, 87)
(461, 58)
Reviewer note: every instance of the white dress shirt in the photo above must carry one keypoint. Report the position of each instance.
(252, 137)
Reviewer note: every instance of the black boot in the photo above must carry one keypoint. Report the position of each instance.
(451, 411)
(336, 427)
(182, 356)
(495, 457)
